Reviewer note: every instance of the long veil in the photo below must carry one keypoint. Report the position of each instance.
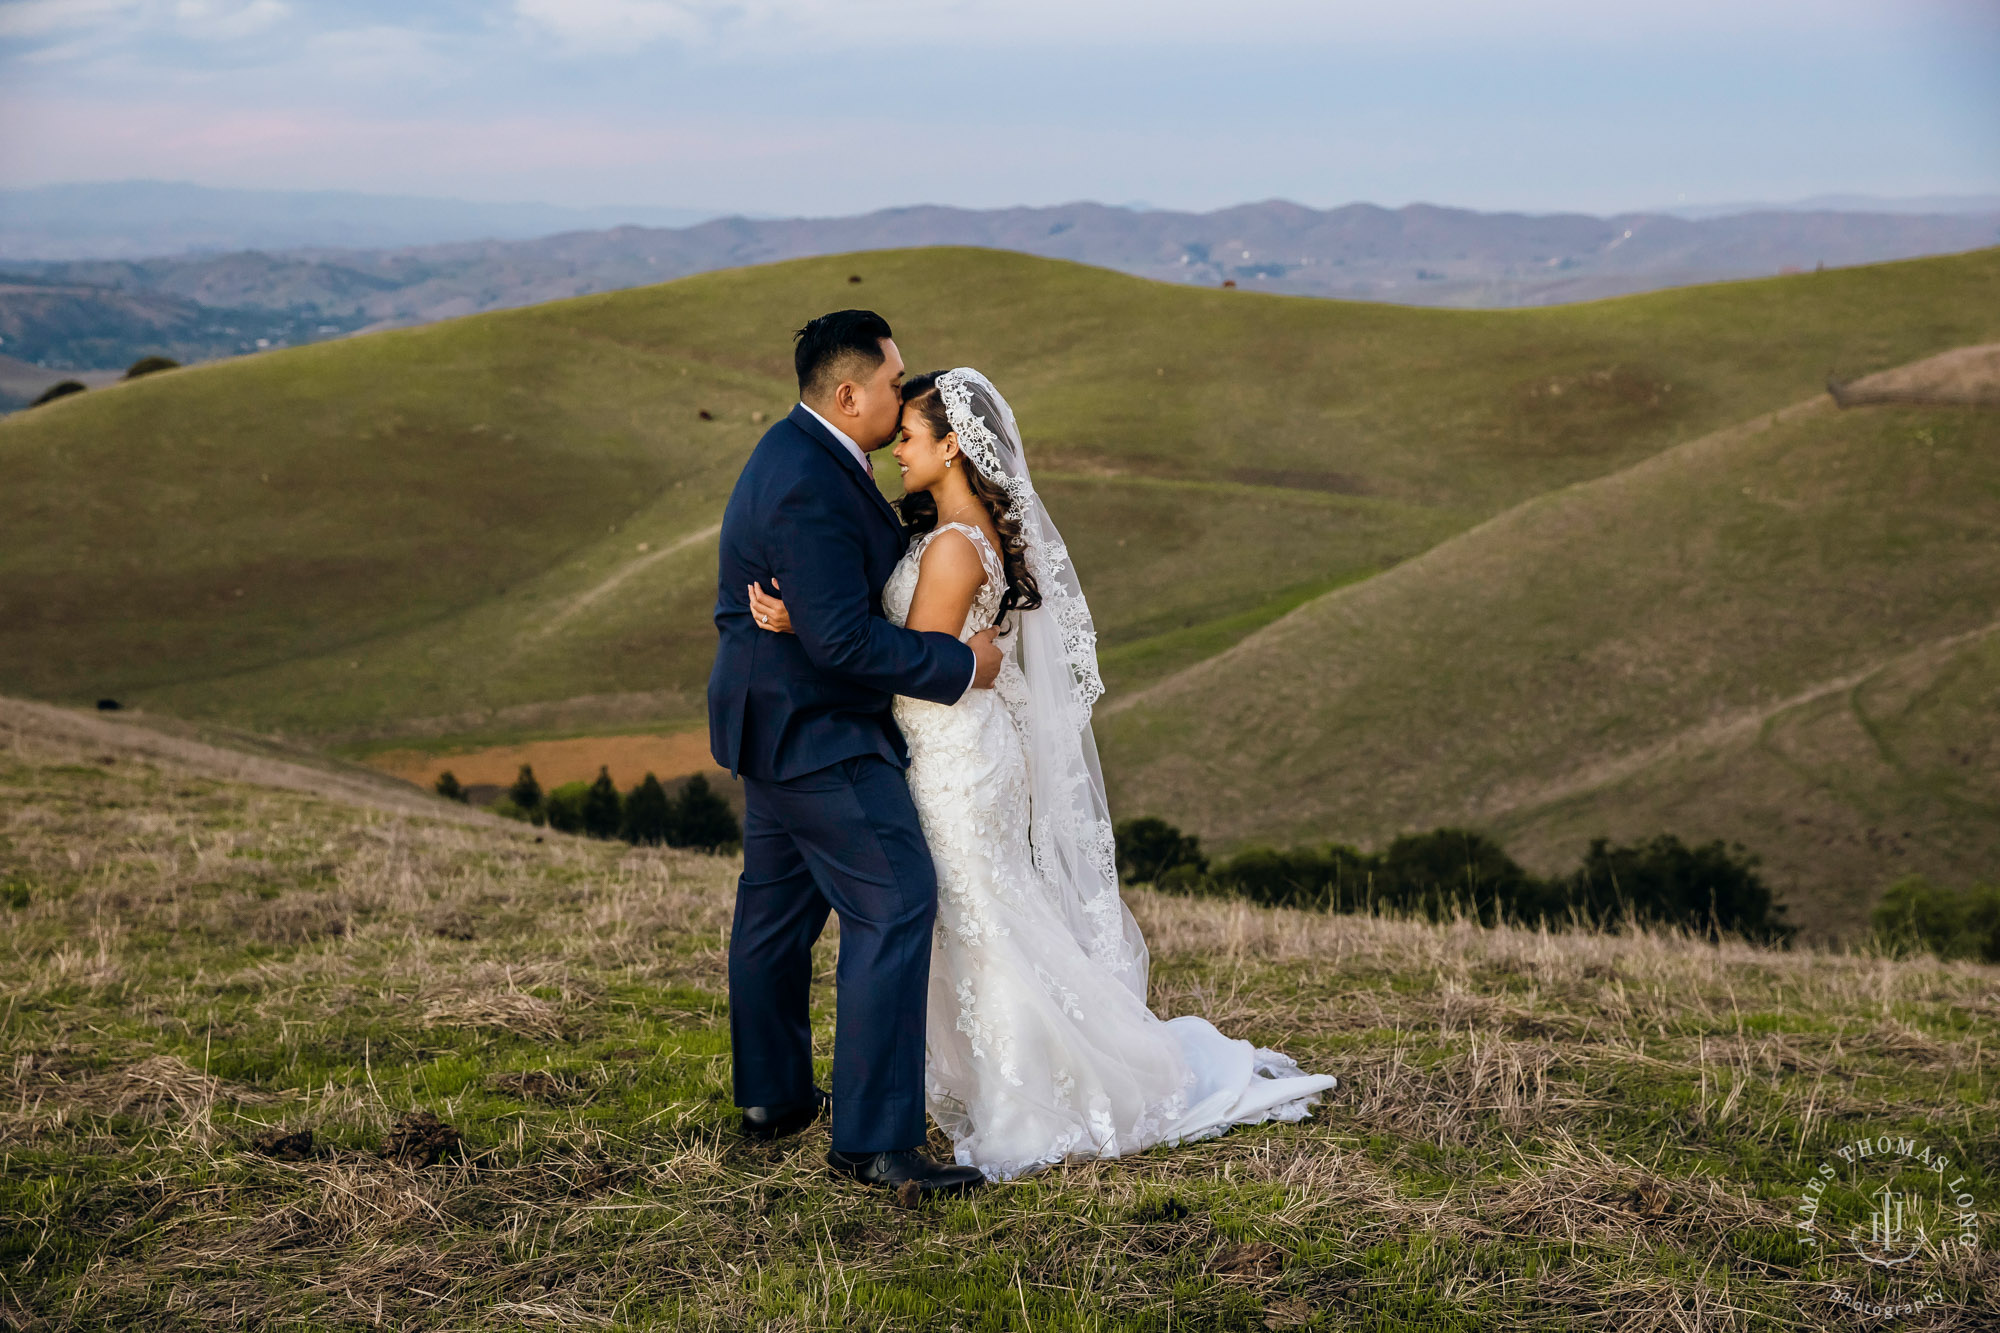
(1056, 646)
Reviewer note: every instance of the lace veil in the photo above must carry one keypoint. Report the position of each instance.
(1056, 647)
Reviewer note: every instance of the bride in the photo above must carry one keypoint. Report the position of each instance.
(1040, 1048)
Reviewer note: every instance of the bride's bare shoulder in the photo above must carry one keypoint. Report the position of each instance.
(950, 557)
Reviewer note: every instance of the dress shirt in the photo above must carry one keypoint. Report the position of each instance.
(861, 457)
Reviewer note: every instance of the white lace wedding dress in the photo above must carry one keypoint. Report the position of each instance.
(1039, 1050)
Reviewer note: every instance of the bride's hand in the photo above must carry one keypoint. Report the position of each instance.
(770, 612)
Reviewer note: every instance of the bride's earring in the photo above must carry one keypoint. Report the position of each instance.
(949, 461)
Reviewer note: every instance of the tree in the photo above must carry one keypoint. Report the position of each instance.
(148, 365)
(601, 807)
(702, 818)
(526, 792)
(1148, 848)
(60, 389)
(447, 787)
(649, 815)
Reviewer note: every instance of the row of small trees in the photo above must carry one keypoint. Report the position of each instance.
(696, 816)
(1711, 890)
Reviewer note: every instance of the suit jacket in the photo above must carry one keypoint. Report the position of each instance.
(806, 515)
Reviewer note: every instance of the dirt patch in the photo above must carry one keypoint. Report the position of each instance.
(665, 755)
(419, 1139)
(533, 1085)
(284, 1144)
(1251, 1258)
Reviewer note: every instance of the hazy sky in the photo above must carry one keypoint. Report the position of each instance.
(813, 107)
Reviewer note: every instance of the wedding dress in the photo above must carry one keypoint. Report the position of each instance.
(1040, 1046)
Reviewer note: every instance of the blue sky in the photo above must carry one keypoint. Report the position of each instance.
(807, 107)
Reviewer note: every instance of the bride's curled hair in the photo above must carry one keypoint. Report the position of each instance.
(919, 510)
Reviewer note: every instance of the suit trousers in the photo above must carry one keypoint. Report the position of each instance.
(844, 839)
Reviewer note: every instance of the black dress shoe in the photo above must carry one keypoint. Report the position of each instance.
(910, 1172)
(777, 1122)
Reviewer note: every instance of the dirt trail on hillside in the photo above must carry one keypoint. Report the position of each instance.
(585, 600)
(1737, 725)
(93, 737)
(1963, 377)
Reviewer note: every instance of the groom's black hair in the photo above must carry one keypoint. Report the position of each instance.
(830, 344)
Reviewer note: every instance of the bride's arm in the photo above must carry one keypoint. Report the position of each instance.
(947, 581)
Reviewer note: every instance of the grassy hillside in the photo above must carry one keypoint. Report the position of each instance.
(1783, 633)
(504, 526)
(1533, 1132)
(424, 529)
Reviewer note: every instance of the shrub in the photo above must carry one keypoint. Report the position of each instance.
(526, 794)
(649, 815)
(447, 787)
(16, 893)
(60, 389)
(563, 807)
(1710, 890)
(1915, 914)
(148, 365)
(506, 809)
(1148, 848)
(702, 818)
(1187, 878)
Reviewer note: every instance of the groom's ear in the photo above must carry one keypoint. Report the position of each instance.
(847, 397)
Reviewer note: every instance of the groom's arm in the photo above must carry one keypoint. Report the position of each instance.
(819, 562)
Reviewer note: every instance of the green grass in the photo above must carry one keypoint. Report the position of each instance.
(1533, 1133)
(1784, 636)
(353, 539)
(436, 534)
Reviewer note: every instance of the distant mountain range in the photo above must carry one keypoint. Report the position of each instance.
(1418, 255)
(137, 219)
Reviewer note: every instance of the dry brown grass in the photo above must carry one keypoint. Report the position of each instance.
(1534, 1131)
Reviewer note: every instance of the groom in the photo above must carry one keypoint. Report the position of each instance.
(828, 822)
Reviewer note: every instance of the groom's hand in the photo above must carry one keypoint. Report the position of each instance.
(987, 654)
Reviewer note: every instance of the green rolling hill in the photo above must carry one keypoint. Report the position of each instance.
(1786, 633)
(503, 525)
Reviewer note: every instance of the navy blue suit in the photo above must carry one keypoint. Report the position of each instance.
(828, 822)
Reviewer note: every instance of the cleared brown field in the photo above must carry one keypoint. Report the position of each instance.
(575, 759)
